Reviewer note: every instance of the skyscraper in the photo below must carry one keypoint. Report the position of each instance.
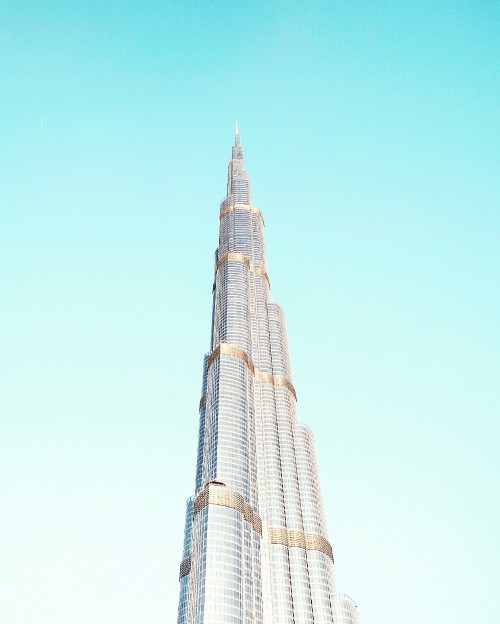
(256, 548)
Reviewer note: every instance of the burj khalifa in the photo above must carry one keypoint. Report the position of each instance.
(256, 547)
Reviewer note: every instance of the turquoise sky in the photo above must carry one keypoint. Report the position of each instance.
(371, 132)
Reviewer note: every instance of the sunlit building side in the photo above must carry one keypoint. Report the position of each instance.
(256, 546)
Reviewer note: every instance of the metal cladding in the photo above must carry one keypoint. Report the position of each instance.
(256, 548)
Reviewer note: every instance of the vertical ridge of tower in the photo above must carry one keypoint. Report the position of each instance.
(256, 547)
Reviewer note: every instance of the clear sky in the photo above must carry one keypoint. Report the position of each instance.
(371, 132)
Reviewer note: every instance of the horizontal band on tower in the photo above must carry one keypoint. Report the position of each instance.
(236, 255)
(224, 348)
(259, 271)
(247, 207)
(275, 380)
(298, 539)
(215, 494)
(185, 567)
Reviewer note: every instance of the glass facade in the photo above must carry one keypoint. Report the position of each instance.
(345, 610)
(256, 548)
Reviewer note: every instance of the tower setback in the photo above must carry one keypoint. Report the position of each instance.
(256, 547)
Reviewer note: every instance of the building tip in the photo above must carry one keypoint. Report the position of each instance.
(237, 134)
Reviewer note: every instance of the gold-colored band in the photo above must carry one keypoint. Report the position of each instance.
(233, 255)
(215, 494)
(276, 380)
(299, 539)
(185, 568)
(258, 271)
(224, 348)
(247, 207)
(203, 402)
(236, 255)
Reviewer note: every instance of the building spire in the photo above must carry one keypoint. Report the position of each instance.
(237, 135)
(238, 183)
